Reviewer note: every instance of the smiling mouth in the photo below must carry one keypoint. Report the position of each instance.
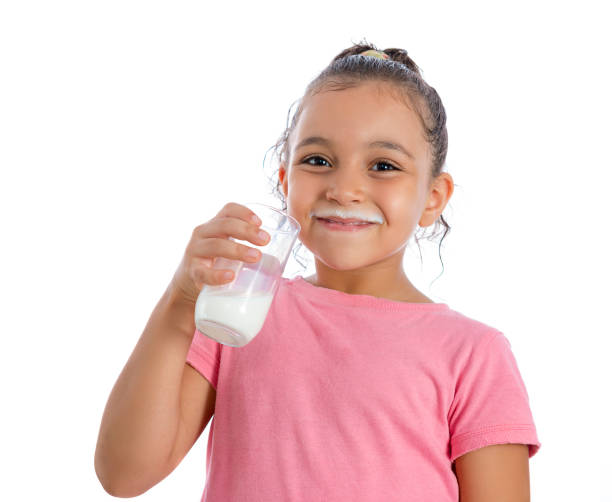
(350, 228)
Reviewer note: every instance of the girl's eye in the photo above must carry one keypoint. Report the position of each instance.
(393, 168)
(312, 158)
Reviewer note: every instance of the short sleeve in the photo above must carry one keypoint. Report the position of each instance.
(491, 404)
(205, 357)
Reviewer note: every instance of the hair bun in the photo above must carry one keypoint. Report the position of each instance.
(401, 56)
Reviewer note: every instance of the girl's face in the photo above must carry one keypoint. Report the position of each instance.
(342, 158)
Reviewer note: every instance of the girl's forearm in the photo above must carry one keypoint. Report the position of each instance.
(142, 414)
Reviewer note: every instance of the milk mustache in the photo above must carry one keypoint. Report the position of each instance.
(240, 307)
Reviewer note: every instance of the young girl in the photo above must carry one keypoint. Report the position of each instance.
(358, 387)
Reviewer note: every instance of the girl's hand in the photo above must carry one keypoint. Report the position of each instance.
(211, 239)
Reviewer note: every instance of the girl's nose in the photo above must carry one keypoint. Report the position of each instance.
(345, 186)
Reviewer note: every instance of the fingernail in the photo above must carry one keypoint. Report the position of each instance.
(255, 219)
(262, 235)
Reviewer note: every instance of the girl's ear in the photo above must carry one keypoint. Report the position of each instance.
(439, 194)
(282, 176)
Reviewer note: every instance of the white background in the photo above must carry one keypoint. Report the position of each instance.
(125, 124)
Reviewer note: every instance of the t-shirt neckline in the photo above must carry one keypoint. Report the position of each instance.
(325, 295)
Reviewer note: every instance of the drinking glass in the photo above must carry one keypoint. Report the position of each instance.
(233, 313)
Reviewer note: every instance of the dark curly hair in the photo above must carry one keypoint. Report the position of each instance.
(349, 69)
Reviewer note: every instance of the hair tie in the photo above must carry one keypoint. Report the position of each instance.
(374, 54)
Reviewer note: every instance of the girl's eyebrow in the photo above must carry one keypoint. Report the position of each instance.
(318, 140)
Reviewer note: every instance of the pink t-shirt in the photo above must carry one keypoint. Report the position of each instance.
(352, 397)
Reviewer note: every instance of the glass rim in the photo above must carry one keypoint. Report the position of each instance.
(291, 218)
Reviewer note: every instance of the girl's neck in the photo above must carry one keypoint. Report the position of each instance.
(402, 292)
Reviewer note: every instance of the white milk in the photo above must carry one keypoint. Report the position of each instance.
(240, 312)
(241, 305)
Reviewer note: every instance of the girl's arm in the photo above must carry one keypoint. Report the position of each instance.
(158, 406)
(496, 472)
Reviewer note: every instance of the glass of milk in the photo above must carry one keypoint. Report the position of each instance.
(233, 313)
